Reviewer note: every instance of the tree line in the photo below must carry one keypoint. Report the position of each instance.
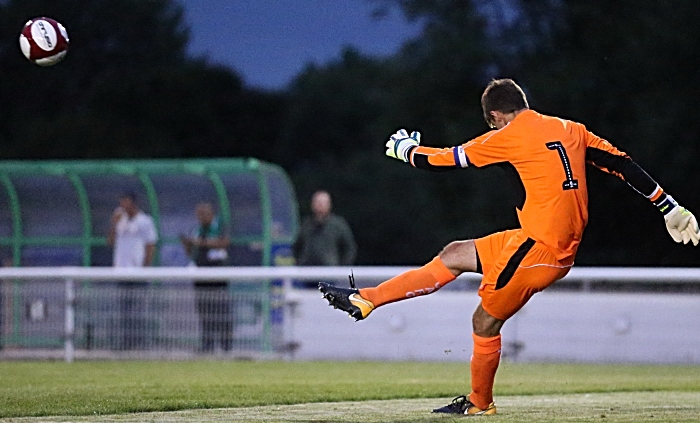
(627, 69)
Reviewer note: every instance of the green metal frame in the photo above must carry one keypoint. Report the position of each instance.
(75, 171)
(142, 169)
(16, 240)
(87, 217)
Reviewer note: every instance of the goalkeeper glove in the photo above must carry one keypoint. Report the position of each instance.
(680, 223)
(398, 145)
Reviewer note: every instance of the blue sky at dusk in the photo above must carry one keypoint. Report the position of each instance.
(270, 41)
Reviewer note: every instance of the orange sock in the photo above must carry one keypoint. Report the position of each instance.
(487, 355)
(413, 283)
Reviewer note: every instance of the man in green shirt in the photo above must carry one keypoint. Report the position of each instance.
(207, 246)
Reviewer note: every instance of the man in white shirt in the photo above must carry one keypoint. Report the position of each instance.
(133, 236)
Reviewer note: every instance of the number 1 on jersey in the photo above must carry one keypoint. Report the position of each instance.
(570, 182)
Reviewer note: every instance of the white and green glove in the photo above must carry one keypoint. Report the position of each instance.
(398, 145)
(680, 223)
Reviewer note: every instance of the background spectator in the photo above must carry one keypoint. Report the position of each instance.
(207, 246)
(325, 239)
(133, 236)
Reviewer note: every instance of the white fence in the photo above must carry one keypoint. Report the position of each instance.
(295, 323)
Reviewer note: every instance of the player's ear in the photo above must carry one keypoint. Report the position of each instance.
(491, 119)
(487, 118)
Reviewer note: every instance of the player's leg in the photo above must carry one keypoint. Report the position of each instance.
(486, 357)
(524, 268)
(515, 268)
(456, 258)
(486, 336)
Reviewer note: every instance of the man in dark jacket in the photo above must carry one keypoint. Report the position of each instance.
(325, 239)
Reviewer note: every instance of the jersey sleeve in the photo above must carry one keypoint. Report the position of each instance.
(603, 155)
(477, 153)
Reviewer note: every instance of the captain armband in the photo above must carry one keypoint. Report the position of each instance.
(460, 156)
(438, 159)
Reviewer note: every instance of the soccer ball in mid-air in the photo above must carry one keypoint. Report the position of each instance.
(44, 41)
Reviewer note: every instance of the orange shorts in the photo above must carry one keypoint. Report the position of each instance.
(515, 268)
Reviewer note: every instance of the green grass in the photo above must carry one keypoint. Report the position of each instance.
(99, 388)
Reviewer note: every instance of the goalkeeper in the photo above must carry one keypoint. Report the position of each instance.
(549, 156)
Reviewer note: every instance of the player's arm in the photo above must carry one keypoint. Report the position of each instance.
(680, 222)
(406, 147)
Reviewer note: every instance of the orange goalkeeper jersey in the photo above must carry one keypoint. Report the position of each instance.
(549, 155)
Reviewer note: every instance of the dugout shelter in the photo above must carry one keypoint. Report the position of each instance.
(57, 213)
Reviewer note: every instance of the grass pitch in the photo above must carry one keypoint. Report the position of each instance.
(331, 391)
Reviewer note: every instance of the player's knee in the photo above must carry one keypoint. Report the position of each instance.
(459, 256)
(484, 324)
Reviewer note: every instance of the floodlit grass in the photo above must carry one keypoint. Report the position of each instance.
(101, 388)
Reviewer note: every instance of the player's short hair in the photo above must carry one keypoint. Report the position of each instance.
(502, 95)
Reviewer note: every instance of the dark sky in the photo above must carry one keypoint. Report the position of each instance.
(270, 41)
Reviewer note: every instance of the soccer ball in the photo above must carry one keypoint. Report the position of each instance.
(44, 41)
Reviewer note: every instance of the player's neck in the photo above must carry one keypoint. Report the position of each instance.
(500, 119)
(512, 115)
(507, 118)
